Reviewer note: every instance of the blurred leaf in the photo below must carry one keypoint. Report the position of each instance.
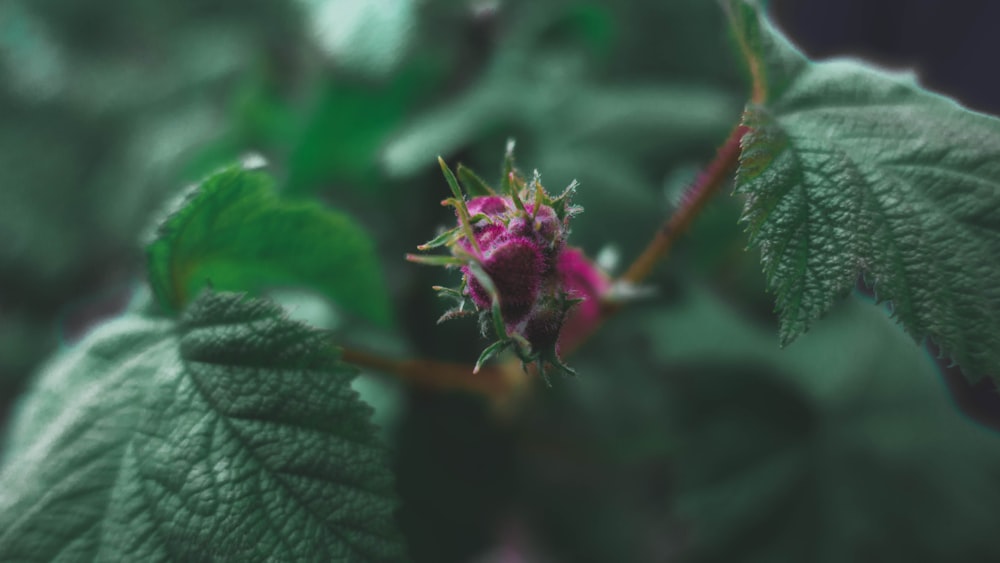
(101, 105)
(844, 447)
(348, 126)
(566, 116)
(49, 64)
(233, 233)
(590, 23)
(849, 169)
(364, 37)
(550, 90)
(234, 433)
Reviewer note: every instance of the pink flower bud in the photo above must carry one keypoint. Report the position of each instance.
(582, 279)
(490, 205)
(515, 265)
(512, 250)
(542, 224)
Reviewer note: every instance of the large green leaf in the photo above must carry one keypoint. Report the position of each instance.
(231, 435)
(848, 170)
(845, 447)
(233, 233)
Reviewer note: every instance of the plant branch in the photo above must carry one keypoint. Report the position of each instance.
(497, 381)
(694, 200)
(758, 90)
(697, 195)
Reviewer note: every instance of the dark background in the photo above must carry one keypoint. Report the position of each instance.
(951, 45)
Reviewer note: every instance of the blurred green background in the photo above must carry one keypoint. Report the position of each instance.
(688, 436)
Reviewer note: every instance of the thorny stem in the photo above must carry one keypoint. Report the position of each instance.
(499, 381)
(694, 200)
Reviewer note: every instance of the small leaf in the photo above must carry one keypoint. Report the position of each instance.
(232, 434)
(234, 233)
(848, 170)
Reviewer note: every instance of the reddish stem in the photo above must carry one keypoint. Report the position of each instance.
(497, 381)
(697, 195)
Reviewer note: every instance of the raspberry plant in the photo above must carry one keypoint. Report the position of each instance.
(276, 388)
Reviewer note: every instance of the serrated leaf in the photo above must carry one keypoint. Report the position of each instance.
(233, 233)
(848, 170)
(233, 434)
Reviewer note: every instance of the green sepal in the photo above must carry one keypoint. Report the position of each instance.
(446, 238)
(475, 185)
(561, 204)
(554, 360)
(456, 190)
(514, 195)
(482, 217)
(455, 313)
(459, 203)
(507, 180)
(490, 351)
(447, 261)
(449, 292)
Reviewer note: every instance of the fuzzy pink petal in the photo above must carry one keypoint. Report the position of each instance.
(582, 279)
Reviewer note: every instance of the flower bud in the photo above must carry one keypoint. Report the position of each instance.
(518, 273)
(583, 280)
(515, 265)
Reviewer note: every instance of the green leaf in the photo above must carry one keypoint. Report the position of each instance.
(345, 128)
(233, 233)
(848, 170)
(362, 38)
(233, 434)
(845, 447)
